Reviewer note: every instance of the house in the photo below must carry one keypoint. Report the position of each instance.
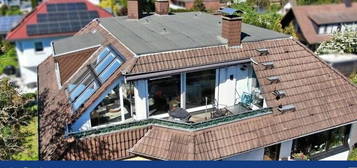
(51, 20)
(7, 23)
(10, 2)
(345, 63)
(188, 4)
(190, 86)
(315, 23)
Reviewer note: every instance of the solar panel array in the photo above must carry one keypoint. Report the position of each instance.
(62, 18)
(60, 7)
(8, 22)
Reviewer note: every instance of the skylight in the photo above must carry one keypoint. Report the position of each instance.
(106, 63)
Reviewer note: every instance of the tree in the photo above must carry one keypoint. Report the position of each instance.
(341, 42)
(269, 19)
(259, 3)
(199, 6)
(13, 114)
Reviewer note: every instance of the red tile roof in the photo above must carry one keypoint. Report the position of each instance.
(20, 31)
(322, 14)
(323, 98)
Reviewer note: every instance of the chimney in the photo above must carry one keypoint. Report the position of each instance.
(134, 9)
(231, 30)
(231, 26)
(162, 7)
(348, 3)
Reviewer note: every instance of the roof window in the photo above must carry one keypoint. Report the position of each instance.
(106, 63)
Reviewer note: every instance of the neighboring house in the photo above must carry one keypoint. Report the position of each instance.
(7, 23)
(10, 2)
(188, 4)
(190, 86)
(287, 6)
(315, 23)
(51, 20)
(345, 63)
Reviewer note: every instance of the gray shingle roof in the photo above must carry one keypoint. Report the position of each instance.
(157, 33)
(79, 42)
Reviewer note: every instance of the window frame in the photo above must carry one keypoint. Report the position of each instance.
(328, 150)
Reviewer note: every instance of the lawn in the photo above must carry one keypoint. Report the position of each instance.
(31, 145)
(8, 58)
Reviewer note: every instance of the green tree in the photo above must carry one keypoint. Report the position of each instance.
(341, 42)
(199, 6)
(259, 3)
(6, 10)
(13, 115)
(269, 19)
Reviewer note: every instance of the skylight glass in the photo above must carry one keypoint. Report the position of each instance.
(106, 63)
(110, 70)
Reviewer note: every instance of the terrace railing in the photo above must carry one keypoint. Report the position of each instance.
(173, 124)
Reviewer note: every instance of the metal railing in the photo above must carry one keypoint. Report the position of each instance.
(173, 124)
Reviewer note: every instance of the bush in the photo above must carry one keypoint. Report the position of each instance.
(353, 155)
(199, 6)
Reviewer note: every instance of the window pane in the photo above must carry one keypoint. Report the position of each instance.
(200, 88)
(337, 137)
(101, 56)
(108, 111)
(85, 95)
(101, 66)
(79, 87)
(110, 70)
(164, 94)
(272, 152)
(38, 46)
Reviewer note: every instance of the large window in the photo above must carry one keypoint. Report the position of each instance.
(200, 88)
(322, 142)
(106, 63)
(164, 94)
(108, 111)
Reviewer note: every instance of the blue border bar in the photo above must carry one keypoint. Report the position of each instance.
(178, 164)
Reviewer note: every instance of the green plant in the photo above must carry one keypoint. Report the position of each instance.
(353, 77)
(13, 116)
(341, 42)
(299, 156)
(353, 154)
(268, 19)
(8, 58)
(199, 6)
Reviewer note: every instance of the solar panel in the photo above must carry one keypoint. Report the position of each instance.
(56, 27)
(60, 7)
(61, 16)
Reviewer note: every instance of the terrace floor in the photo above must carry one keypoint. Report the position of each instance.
(204, 115)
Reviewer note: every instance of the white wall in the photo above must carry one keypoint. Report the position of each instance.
(252, 155)
(29, 59)
(95, 2)
(230, 90)
(353, 135)
(285, 149)
(141, 97)
(340, 156)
